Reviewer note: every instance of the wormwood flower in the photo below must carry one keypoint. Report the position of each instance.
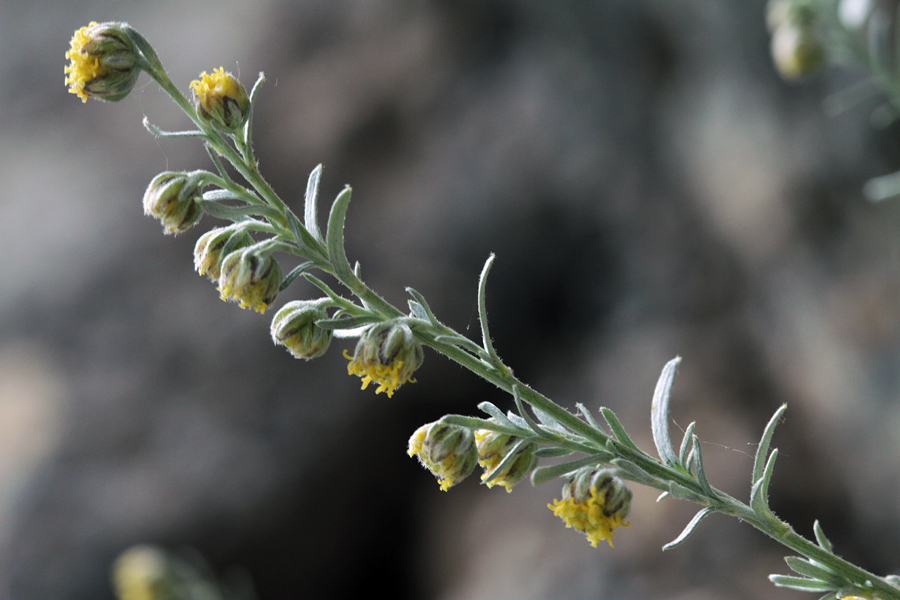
(214, 245)
(595, 502)
(448, 451)
(251, 278)
(294, 327)
(141, 573)
(103, 62)
(173, 198)
(388, 354)
(505, 459)
(221, 100)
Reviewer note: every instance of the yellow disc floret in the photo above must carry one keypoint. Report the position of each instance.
(595, 502)
(83, 67)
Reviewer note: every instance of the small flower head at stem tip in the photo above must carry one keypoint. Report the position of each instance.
(220, 100)
(294, 327)
(595, 502)
(250, 277)
(500, 468)
(174, 199)
(388, 354)
(214, 245)
(142, 573)
(448, 451)
(104, 62)
(798, 49)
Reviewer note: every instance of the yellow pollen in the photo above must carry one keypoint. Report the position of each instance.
(588, 517)
(83, 67)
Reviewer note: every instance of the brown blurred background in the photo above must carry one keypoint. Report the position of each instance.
(651, 189)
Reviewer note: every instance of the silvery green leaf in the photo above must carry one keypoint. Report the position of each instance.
(588, 416)
(493, 411)
(821, 538)
(347, 322)
(290, 277)
(548, 421)
(324, 287)
(523, 413)
(762, 451)
(759, 494)
(215, 195)
(310, 210)
(810, 569)
(659, 420)
(616, 427)
(543, 474)
(634, 473)
(552, 452)
(689, 529)
(482, 311)
(417, 311)
(801, 583)
(698, 465)
(685, 445)
(420, 299)
(334, 240)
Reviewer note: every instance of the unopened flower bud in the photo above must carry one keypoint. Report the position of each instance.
(250, 277)
(294, 327)
(594, 501)
(506, 461)
(797, 49)
(103, 62)
(142, 573)
(221, 100)
(173, 198)
(213, 245)
(388, 354)
(448, 451)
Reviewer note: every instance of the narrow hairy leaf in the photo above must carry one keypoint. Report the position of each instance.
(821, 538)
(544, 474)
(482, 311)
(809, 569)
(616, 427)
(295, 272)
(689, 528)
(801, 583)
(347, 322)
(686, 444)
(759, 461)
(424, 304)
(698, 465)
(334, 240)
(659, 419)
(492, 410)
(310, 210)
(759, 494)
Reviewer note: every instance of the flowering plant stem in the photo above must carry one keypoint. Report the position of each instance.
(595, 458)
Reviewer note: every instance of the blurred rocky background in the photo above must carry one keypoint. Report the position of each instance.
(651, 188)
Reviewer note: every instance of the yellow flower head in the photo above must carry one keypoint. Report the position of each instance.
(142, 573)
(173, 198)
(221, 100)
(104, 62)
(387, 354)
(295, 328)
(505, 459)
(594, 502)
(448, 451)
(214, 245)
(250, 278)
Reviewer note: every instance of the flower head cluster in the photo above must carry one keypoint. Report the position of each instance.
(388, 354)
(506, 459)
(596, 502)
(174, 199)
(294, 327)
(104, 62)
(250, 277)
(448, 451)
(142, 573)
(215, 245)
(220, 100)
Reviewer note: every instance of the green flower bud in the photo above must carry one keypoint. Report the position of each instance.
(294, 327)
(797, 49)
(143, 573)
(594, 501)
(388, 354)
(104, 62)
(214, 244)
(221, 100)
(500, 467)
(173, 198)
(250, 277)
(448, 451)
